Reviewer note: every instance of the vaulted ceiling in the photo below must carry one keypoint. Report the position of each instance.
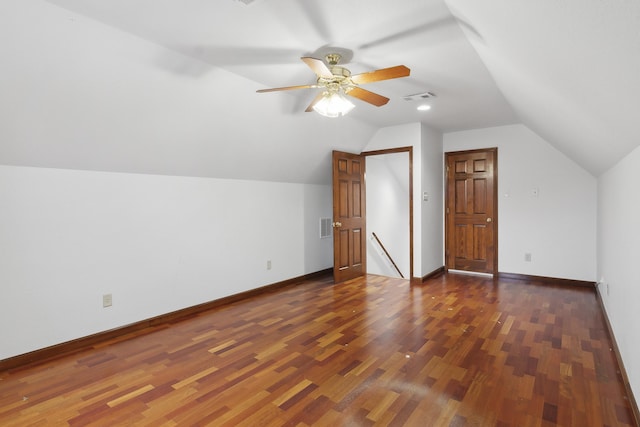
(169, 87)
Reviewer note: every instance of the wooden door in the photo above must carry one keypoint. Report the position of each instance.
(349, 238)
(471, 209)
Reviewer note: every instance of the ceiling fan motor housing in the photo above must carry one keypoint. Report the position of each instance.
(341, 76)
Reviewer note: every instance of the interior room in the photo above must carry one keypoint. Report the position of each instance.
(156, 156)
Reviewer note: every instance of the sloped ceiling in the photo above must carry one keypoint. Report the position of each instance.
(169, 87)
(569, 68)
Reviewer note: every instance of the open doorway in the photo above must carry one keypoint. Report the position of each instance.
(389, 221)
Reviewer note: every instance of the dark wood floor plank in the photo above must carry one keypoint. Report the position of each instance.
(457, 350)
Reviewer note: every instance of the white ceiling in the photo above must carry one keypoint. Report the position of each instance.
(169, 86)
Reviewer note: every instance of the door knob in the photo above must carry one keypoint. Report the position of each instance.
(337, 224)
(488, 219)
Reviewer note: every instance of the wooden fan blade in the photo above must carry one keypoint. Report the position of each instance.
(318, 67)
(275, 89)
(368, 96)
(314, 102)
(383, 74)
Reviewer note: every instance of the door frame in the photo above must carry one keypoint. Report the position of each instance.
(409, 150)
(495, 204)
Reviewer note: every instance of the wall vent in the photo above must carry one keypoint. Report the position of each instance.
(419, 96)
(325, 228)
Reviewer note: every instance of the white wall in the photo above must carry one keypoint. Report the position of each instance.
(157, 243)
(388, 213)
(318, 203)
(618, 253)
(432, 237)
(558, 226)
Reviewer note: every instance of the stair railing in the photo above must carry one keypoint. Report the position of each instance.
(387, 254)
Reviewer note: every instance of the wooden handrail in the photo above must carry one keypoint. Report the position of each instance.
(387, 254)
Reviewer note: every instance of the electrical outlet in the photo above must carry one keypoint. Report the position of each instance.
(527, 257)
(107, 300)
(607, 289)
(268, 264)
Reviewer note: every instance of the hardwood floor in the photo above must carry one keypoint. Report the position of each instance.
(456, 351)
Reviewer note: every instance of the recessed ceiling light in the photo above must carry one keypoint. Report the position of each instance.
(424, 107)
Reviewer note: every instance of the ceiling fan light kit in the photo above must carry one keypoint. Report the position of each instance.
(336, 82)
(333, 104)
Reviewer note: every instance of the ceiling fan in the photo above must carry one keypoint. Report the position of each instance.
(337, 81)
